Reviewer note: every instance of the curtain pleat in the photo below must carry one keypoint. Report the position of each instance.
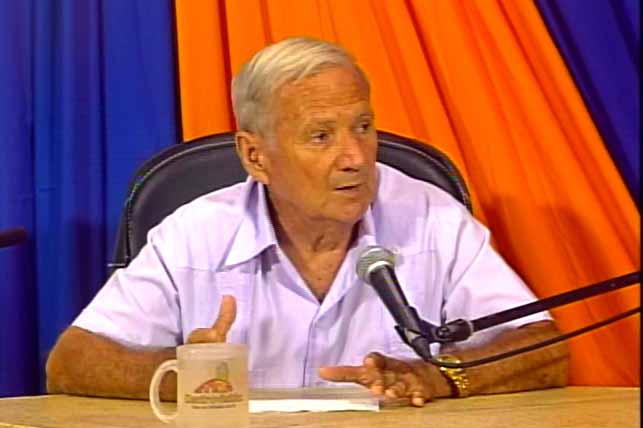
(18, 334)
(92, 95)
(204, 73)
(484, 82)
(605, 65)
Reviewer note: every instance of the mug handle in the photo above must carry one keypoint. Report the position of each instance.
(155, 400)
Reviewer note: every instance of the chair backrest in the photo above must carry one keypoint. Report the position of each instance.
(183, 172)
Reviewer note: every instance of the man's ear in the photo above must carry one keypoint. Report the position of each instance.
(251, 151)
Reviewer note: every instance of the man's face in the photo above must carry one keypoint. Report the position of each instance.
(321, 155)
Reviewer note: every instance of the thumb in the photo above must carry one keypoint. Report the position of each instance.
(226, 317)
(219, 330)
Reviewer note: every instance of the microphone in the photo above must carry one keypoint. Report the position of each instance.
(12, 237)
(375, 267)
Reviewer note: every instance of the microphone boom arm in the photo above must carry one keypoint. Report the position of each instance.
(461, 329)
(375, 267)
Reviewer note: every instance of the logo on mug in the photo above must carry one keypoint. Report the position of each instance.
(215, 392)
(218, 384)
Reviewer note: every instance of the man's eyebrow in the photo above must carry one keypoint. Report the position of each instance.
(315, 122)
(366, 115)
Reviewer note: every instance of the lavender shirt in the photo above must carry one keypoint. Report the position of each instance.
(224, 243)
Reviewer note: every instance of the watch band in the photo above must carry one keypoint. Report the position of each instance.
(457, 378)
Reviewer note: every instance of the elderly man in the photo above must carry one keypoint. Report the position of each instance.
(271, 262)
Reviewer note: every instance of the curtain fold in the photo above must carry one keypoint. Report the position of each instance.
(601, 47)
(18, 335)
(205, 20)
(92, 95)
(484, 82)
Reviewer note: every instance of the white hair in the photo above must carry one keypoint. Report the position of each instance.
(289, 60)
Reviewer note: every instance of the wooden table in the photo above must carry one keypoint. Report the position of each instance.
(560, 408)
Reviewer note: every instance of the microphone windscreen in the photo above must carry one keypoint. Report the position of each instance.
(370, 258)
(12, 237)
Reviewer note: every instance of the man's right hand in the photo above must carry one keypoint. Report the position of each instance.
(219, 330)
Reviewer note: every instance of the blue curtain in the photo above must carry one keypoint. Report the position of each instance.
(600, 41)
(88, 93)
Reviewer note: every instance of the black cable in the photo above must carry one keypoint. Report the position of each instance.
(557, 300)
(493, 358)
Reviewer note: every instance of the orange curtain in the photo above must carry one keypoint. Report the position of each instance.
(483, 81)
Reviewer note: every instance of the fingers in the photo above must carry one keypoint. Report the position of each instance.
(375, 363)
(398, 379)
(379, 373)
(410, 389)
(381, 362)
(375, 360)
(418, 399)
(341, 373)
(227, 315)
(383, 376)
(396, 390)
(355, 374)
(368, 375)
(415, 389)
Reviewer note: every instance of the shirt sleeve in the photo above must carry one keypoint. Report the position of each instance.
(139, 305)
(479, 281)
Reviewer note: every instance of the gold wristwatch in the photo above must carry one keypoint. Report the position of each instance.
(457, 378)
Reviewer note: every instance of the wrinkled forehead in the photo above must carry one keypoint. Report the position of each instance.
(331, 89)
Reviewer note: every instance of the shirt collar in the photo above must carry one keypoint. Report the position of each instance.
(366, 231)
(256, 232)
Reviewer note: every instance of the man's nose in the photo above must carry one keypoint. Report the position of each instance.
(352, 154)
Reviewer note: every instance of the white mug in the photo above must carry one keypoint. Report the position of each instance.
(212, 386)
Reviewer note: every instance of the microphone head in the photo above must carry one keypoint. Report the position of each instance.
(371, 258)
(12, 237)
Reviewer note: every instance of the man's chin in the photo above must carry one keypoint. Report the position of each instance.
(352, 215)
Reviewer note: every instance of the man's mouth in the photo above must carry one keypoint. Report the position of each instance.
(348, 187)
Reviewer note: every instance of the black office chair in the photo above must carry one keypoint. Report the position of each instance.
(183, 172)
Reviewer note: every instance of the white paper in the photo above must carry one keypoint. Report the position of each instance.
(332, 399)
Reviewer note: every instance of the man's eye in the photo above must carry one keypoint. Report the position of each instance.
(364, 127)
(320, 137)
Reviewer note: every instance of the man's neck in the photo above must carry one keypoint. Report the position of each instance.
(316, 248)
(310, 237)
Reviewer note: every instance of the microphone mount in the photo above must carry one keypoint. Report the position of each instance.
(460, 329)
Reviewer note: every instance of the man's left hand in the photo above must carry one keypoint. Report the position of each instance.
(391, 378)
